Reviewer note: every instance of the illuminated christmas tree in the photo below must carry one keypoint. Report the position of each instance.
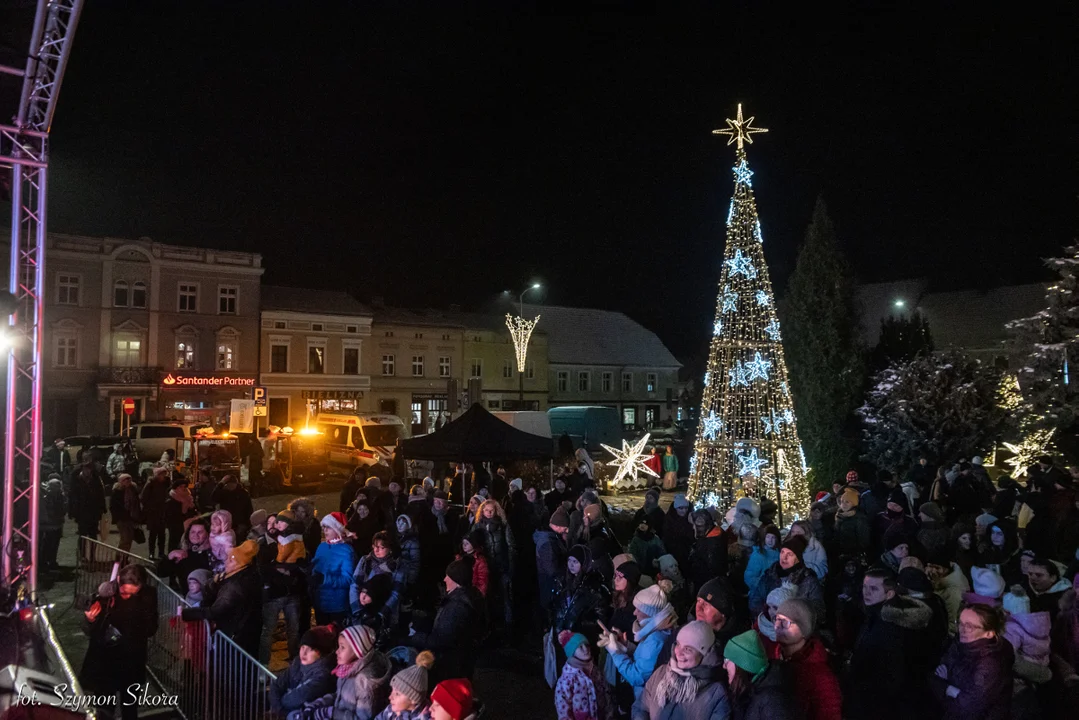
(747, 440)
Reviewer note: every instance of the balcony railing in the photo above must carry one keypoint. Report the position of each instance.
(128, 375)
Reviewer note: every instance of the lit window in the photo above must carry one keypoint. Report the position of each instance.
(563, 381)
(226, 355)
(607, 381)
(507, 368)
(185, 354)
(584, 380)
(127, 353)
(67, 351)
(316, 359)
(629, 416)
(477, 368)
(651, 382)
(417, 366)
(227, 300)
(67, 289)
(188, 298)
(389, 365)
(138, 295)
(444, 366)
(119, 294)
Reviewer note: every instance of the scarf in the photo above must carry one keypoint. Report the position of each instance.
(662, 620)
(344, 671)
(441, 518)
(766, 627)
(840, 514)
(183, 496)
(584, 666)
(676, 686)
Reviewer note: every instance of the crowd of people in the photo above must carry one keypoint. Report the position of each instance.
(941, 595)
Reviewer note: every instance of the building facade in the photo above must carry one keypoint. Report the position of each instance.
(312, 354)
(175, 328)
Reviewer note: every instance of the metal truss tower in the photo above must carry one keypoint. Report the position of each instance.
(24, 147)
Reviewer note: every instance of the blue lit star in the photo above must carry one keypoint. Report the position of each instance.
(788, 416)
(717, 329)
(769, 424)
(772, 423)
(711, 424)
(737, 375)
(741, 264)
(729, 300)
(757, 232)
(784, 388)
(749, 463)
(742, 173)
(762, 298)
(693, 465)
(772, 329)
(758, 368)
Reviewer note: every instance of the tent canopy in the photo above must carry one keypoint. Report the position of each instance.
(478, 436)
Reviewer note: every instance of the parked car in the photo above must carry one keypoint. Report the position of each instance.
(151, 439)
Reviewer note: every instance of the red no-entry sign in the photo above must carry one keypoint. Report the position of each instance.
(129, 406)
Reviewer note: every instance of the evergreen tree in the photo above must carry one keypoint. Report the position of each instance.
(902, 339)
(943, 405)
(1047, 345)
(826, 358)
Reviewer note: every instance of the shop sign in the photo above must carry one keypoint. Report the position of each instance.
(176, 380)
(331, 394)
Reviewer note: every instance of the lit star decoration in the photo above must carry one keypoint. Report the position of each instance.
(707, 379)
(762, 298)
(737, 375)
(730, 213)
(712, 425)
(693, 464)
(739, 130)
(773, 423)
(717, 329)
(750, 463)
(757, 368)
(788, 416)
(741, 265)
(784, 388)
(708, 501)
(729, 300)
(629, 460)
(1028, 450)
(756, 232)
(742, 173)
(772, 329)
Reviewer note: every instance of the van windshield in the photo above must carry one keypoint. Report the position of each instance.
(384, 435)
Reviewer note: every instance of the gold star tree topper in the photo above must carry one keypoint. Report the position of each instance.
(739, 130)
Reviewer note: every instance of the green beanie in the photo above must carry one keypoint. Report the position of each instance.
(746, 652)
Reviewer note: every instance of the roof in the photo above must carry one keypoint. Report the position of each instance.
(585, 336)
(318, 302)
(478, 436)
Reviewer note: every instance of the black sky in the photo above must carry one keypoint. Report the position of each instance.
(433, 156)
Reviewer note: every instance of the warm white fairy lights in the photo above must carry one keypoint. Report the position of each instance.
(629, 461)
(521, 331)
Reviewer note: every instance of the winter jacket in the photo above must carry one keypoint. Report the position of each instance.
(500, 548)
(982, 671)
(670, 463)
(815, 687)
(153, 497)
(708, 559)
(851, 535)
(580, 695)
(110, 666)
(1028, 634)
(934, 537)
(409, 558)
(360, 696)
(655, 517)
(637, 662)
(950, 589)
(455, 635)
(809, 588)
(646, 551)
(124, 504)
(480, 573)
(52, 505)
(550, 564)
(114, 466)
(581, 605)
(1048, 601)
(234, 605)
(711, 702)
(331, 577)
(298, 684)
(880, 682)
(815, 558)
(677, 536)
(367, 568)
(770, 698)
(760, 559)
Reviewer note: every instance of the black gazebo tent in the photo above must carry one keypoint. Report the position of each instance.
(478, 436)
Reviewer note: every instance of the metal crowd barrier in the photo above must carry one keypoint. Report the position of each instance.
(239, 684)
(94, 566)
(177, 655)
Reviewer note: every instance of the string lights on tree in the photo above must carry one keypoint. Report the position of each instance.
(748, 429)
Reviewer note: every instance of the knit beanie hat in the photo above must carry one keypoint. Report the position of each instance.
(202, 576)
(697, 635)
(680, 501)
(987, 582)
(360, 638)
(717, 593)
(1016, 601)
(667, 564)
(985, 520)
(560, 518)
(932, 511)
(517, 484)
(620, 558)
(914, 580)
(781, 594)
(244, 553)
(631, 571)
(747, 535)
(334, 521)
(460, 571)
(894, 537)
(594, 513)
(799, 612)
(651, 601)
(258, 517)
(571, 641)
(797, 544)
(412, 681)
(749, 506)
(321, 639)
(455, 697)
(378, 588)
(580, 554)
(746, 652)
(373, 483)
(851, 495)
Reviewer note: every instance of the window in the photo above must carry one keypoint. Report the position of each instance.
(227, 300)
(651, 415)
(389, 333)
(67, 289)
(226, 354)
(188, 298)
(350, 361)
(279, 358)
(530, 370)
(627, 382)
(119, 294)
(444, 366)
(563, 381)
(280, 324)
(351, 329)
(651, 381)
(629, 416)
(417, 366)
(584, 380)
(607, 381)
(387, 407)
(185, 354)
(507, 368)
(419, 336)
(389, 365)
(316, 359)
(316, 326)
(494, 404)
(477, 368)
(138, 295)
(67, 351)
(156, 432)
(127, 352)
(445, 337)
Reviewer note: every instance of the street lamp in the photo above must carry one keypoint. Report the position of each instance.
(900, 303)
(521, 331)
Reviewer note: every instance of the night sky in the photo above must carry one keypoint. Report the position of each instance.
(432, 157)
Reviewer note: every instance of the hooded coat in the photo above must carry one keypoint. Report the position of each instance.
(708, 559)
(331, 577)
(852, 533)
(454, 637)
(710, 703)
(234, 604)
(982, 671)
(760, 559)
(550, 564)
(298, 684)
(362, 694)
(815, 687)
(637, 664)
(1028, 634)
(809, 588)
(950, 589)
(582, 602)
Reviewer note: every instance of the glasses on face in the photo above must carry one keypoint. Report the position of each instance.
(782, 622)
(969, 627)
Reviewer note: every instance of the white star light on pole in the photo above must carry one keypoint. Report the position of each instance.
(742, 173)
(711, 424)
(749, 463)
(741, 265)
(629, 460)
(757, 368)
(729, 300)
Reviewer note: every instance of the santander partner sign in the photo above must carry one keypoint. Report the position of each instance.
(175, 380)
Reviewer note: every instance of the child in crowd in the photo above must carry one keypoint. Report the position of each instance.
(408, 690)
(581, 692)
(1028, 632)
(472, 549)
(290, 547)
(197, 580)
(308, 677)
(452, 700)
(331, 572)
(363, 674)
(222, 538)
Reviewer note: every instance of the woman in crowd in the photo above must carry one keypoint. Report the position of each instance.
(757, 689)
(686, 687)
(194, 553)
(582, 599)
(498, 541)
(791, 570)
(815, 556)
(974, 678)
(764, 555)
(655, 618)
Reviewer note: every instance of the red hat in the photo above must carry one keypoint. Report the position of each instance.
(455, 697)
(335, 521)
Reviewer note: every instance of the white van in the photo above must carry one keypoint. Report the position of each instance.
(151, 439)
(355, 439)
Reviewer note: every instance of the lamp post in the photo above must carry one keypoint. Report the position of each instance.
(521, 331)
